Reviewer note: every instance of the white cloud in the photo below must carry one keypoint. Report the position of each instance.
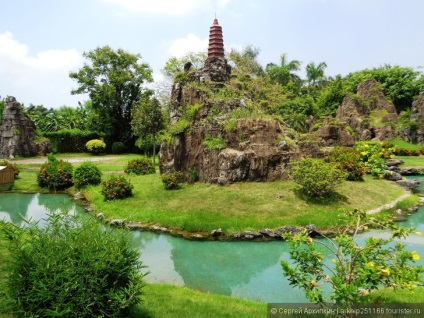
(39, 79)
(191, 43)
(168, 7)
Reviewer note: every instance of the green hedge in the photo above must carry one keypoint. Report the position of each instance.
(71, 140)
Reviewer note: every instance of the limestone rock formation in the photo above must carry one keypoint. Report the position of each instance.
(415, 132)
(17, 131)
(210, 146)
(366, 115)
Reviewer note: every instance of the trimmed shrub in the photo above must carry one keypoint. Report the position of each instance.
(11, 165)
(87, 174)
(347, 160)
(71, 267)
(117, 187)
(55, 174)
(118, 147)
(140, 166)
(317, 179)
(172, 180)
(95, 146)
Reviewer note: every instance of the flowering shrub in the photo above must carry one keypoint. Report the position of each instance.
(140, 166)
(356, 269)
(372, 155)
(11, 165)
(55, 174)
(347, 160)
(317, 179)
(172, 180)
(95, 146)
(406, 152)
(87, 173)
(117, 187)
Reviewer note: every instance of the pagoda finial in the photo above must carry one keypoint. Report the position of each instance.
(216, 40)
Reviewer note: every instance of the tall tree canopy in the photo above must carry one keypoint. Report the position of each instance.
(113, 80)
(284, 72)
(148, 120)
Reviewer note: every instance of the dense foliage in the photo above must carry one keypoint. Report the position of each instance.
(172, 180)
(118, 147)
(55, 174)
(349, 161)
(71, 140)
(140, 166)
(72, 267)
(148, 120)
(317, 179)
(113, 80)
(95, 146)
(87, 174)
(117, 187)
(356, 269)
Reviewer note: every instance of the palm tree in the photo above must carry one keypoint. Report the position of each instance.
(315, 73)
(283, 73)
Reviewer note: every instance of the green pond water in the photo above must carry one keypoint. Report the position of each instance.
(249, 270)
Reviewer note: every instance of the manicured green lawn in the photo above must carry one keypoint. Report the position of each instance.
(406, 145)
(239, 206)
(235, 207)
(411, 161)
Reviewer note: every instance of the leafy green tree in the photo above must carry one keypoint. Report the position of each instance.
(283, 73)
(245, 62)
(148, 120)
(330, 97)
(400, 84)
(356, 269)
(315, 73)
(113, 80)
(176, 65)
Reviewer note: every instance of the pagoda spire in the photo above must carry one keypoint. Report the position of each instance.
(216, 40)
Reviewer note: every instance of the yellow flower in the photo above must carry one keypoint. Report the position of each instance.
(415, 256)
(419, 233)
(370, 264)
(363, 153)
(333, 260)
(386, 271)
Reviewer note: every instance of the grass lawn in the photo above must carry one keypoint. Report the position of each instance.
(235, 207)
(239, 206)
(411, 161)
(406, 145)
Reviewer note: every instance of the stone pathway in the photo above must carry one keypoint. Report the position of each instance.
(390, 204)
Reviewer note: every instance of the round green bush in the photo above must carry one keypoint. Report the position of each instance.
(87, 174)
(140, 166)
(117, 187)
(172, 180)
(118, 147)
(317, 179)
(71, 267)
(95, 146)
(55, 174)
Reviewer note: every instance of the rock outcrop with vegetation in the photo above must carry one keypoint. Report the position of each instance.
(17, 131)
(218, 135)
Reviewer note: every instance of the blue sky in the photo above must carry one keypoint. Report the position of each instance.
(42, 41)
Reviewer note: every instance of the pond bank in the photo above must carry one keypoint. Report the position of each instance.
(265, 234)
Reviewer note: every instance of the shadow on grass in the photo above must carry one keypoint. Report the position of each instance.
(333, 197)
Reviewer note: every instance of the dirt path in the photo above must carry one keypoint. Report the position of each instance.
(71, 160)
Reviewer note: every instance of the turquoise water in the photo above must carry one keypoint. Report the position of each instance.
(248, 270)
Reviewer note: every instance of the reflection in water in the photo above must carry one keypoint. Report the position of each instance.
(248, 270)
